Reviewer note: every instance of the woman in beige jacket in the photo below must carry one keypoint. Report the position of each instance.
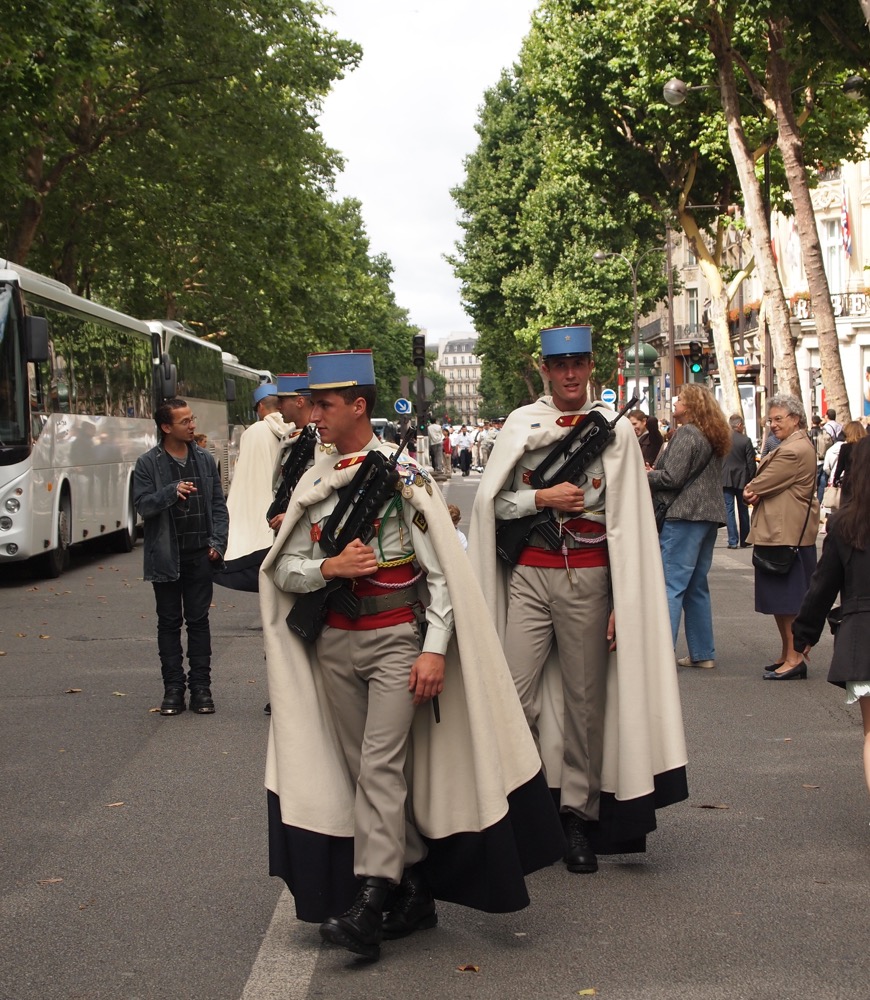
(785, 512)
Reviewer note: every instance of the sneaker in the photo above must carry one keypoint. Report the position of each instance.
(687, 661)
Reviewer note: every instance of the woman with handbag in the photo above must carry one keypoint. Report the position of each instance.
(686, 484)
(785, 524)
(844, 569)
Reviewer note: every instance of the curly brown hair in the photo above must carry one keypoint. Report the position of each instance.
(706, 414)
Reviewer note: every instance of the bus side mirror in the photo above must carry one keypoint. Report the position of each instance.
(36, 338)
(230, 389)
(169, 379)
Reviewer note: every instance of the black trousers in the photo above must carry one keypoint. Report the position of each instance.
(188, 598)
(465, 461)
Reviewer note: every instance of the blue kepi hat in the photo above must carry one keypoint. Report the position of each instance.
(561, 341)
(294, 384)
(264, 390)
(340, 369)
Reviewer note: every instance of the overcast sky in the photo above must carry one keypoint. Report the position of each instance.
(404, 121)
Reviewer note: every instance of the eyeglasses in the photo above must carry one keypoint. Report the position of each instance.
(186, 422)
(780, 420)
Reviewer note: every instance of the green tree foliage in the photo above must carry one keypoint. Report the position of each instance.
(165, 158)
(532, 222)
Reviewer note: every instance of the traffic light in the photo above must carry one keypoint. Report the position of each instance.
(419, 350)
(695, 357)
(710, 363)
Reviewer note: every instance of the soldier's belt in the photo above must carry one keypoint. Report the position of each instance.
(348, 604)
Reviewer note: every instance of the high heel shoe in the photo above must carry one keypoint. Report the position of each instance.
(797, 672)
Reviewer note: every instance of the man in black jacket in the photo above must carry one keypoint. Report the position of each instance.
(177, 491)
(738, 468)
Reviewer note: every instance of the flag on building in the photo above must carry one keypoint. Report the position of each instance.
(845, 225)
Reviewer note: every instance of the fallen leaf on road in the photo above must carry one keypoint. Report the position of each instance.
(119, 694)
(468, 968)
(587, 993)
(49, 881)
(153, 709)
(113, 805)
(718, 805)
(44, 636)
(21, 635)
(811, 786)
(84, 906)
(2, 652)
(31, 589)
(73, 691)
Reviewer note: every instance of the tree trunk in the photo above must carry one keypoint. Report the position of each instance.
(756, 214)
(791, 146)
(731, 402)
(865, 6)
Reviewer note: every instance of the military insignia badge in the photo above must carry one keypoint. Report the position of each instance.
(419, 521)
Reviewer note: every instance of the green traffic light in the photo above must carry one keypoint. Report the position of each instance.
(695, 367)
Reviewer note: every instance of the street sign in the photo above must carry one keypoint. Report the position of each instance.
(402, 406)
(428, 386)
(740, 362)
(608, 396)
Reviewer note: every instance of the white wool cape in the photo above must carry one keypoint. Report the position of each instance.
(251, 489)
(464, 767)
(643, 729)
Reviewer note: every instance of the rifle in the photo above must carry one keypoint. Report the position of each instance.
(594, 433)
(358, 506)
(294, 466)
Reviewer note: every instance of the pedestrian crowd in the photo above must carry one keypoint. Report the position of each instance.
(449, 714)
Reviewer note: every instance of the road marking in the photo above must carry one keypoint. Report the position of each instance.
(285, 963)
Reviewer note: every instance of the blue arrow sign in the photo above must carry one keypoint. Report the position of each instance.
(402, 406)
(608, 396)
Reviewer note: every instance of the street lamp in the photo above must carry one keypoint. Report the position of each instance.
(599, 257)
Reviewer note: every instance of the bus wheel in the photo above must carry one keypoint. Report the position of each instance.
(125, 539)
(52, 563)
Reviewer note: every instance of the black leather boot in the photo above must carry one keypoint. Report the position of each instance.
(579, 857)
(359, 930)
(201, 701)
(173, 701)
(411, 907)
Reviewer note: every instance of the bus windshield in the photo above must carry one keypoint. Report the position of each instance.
(13, 428)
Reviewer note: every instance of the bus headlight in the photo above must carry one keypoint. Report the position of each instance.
(5, 523)
(13, 505)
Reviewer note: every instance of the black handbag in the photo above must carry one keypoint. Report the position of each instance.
(775, 559)
(778, 559)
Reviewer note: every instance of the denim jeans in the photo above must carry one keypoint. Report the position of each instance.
(687, 554)
(822, 480)
(188, 597)
(735, 496)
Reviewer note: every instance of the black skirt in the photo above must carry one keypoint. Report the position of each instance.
(783, 595)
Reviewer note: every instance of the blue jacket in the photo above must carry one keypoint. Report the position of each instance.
(154, 493)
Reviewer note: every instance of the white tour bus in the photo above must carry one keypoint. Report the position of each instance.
(78, 387)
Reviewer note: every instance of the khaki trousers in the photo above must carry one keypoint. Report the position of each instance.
(547, 605)
(366, 678)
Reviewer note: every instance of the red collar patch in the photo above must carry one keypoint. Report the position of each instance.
(346, 463)
(567, 420)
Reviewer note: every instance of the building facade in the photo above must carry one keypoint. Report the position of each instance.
(460, 367)
(842, 206)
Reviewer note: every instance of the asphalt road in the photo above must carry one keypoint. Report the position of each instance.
(134, 846)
